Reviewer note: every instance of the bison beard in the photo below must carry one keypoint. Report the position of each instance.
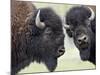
(31, 43)
(80, 24)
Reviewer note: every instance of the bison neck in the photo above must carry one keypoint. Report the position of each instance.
(93, 51)
(92, 55)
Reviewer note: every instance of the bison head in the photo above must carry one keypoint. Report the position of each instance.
(78, 26)
(47, 39)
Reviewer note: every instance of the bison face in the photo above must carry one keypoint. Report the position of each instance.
(47, 37)
(78, 25)
(53, 40)
(51, 44)
(83, 37)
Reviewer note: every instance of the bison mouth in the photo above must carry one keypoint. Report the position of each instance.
(85, 54)
(84, 45)
(51, 62)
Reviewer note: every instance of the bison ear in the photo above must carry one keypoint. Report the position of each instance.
(38, 22)
(67, 28)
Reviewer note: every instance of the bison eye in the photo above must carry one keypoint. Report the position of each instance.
(48, 31)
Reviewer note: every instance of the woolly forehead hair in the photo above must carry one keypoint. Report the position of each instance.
(81, 10)
(78, 13)
(50, 18)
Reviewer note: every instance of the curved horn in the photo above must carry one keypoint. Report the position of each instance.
(38, 23)
(65, 25)
(92, 14)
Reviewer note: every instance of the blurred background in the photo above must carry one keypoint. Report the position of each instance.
(70, 60)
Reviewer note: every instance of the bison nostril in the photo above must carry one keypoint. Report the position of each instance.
(61, 51)
(82, 39)
(79, 41)
(85, 39)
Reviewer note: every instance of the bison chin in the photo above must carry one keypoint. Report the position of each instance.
(51, 64)
(85, 54)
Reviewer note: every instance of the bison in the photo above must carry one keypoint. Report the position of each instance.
(37, 35)
(80, 25)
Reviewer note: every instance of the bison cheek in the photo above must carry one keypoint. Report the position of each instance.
(51, 64)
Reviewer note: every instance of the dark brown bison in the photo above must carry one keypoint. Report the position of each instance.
(80, 24)
(37, 35)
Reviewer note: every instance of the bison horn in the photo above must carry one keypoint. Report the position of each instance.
(38, 23)
(92, 15)
(65, 25)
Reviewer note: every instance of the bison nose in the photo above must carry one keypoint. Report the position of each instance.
(61, 51)
(82, 39)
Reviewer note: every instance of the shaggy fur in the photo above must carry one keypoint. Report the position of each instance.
(29, 43)
(76, 18)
